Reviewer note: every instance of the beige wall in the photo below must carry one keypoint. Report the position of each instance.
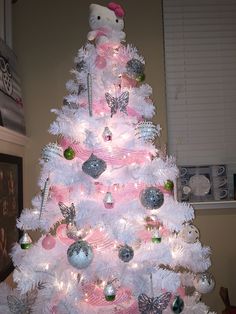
(46, 37)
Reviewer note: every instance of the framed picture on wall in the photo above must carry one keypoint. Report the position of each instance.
(11, 203)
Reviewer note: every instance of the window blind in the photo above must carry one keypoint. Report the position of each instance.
(200, 63)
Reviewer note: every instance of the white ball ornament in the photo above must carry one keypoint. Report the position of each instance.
(51, 151)
(204, 282)
(80, 254)
(189, 234)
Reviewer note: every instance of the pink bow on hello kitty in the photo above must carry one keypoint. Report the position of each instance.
(119, 11)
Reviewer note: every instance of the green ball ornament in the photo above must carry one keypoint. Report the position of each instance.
(141, 78)
(169, 185)
(156, 239)
(177, 305)
(69, 153)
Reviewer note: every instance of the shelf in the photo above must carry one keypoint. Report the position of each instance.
(214, 205)
(10, 136)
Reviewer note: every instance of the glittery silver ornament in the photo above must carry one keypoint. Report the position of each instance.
(109, 292)
(116, 103)
(147, 131)
(75, 233)
(72, 231)
(153, 305)
(81, 66)
(80, 254)
(25, 241)
(177, 305)
(107, 135)
(90, 94)
(152, 198)
(108, 200)
(126, 253)
(204, 282)
(81, 89)
(68, 212)
(94, 166)
(44, 197)
(6, 76)
(50, 151)
(135, 68)
(189, 234)
(18, 306)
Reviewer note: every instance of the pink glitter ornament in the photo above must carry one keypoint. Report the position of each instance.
(128, 82)
(54, 310)
(48, 242)
(108, 200)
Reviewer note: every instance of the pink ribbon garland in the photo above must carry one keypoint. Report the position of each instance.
(119, 156)
(95, 296)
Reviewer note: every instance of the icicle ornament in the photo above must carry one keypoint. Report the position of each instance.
(44, 198)
(89, 89)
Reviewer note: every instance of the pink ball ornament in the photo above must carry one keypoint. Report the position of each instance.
(54, 310)
(100, 62)
(48, 242)
(128, 82)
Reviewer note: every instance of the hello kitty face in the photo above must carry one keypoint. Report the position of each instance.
(103, 17)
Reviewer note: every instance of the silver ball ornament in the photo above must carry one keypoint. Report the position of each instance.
(189, 234)
(152, 198)
(81, 66)
(126, 253)
(135, 68)
(80, 254)
(204, 282)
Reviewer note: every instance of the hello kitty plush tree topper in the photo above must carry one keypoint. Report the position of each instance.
(107, 24)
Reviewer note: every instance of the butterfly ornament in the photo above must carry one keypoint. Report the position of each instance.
(120, 102)
(153, 305)
(23, 305)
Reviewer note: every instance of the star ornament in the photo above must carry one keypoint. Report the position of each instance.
(116, 103)
(155, 305)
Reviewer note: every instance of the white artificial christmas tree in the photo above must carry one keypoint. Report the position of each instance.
(115, 240)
